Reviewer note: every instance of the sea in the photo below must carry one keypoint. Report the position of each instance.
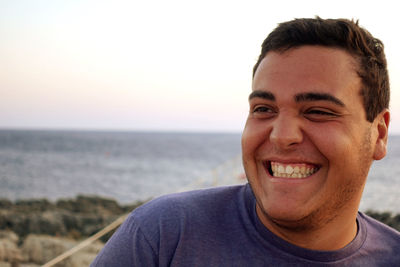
(138, 166)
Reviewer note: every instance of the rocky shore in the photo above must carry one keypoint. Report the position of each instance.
(33, 232)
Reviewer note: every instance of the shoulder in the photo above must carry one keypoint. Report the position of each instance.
(170, 220)
(376, 227)
(183, 204)
(380, 237)
(171, 215)
(161, 229)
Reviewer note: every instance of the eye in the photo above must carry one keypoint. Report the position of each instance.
(263, 111)
(320, 114)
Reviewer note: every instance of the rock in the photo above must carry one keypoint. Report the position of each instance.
(9, 251)
(91, 205)
(6, 234)
(50, 223)
(5, 203)
(56, 223)
(80, 259)
(84, 257)
(43, 227)
(40, 249)
(24, 223)
(32, 205)
(75, 218)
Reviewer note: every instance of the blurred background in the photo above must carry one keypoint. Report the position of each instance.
(152, 65)
(133, 99)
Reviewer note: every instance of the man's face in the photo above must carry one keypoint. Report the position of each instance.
(307, 146)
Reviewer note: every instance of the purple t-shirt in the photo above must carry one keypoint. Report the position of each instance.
(220, 227)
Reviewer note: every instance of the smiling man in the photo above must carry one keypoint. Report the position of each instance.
(318, 118)
(308, 146)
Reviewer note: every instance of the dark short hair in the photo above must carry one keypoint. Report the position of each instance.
(347, 35)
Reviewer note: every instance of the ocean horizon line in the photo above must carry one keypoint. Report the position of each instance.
(104, 130)
(144, 131)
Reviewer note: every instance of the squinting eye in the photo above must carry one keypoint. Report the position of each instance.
(263, 112)
(320, 112)
(262, 109)
(320, 115)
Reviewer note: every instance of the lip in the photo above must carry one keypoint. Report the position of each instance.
(293, 160)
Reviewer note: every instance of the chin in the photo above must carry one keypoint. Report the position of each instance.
(295, 219)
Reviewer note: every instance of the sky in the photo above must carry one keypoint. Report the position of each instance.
(152, 65)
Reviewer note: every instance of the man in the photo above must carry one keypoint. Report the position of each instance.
(318, 118)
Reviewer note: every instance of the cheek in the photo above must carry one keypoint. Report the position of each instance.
(331, 143)
(346, 153)
(252, 138)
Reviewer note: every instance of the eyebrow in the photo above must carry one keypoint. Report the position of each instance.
(262, 94)
(303, 97)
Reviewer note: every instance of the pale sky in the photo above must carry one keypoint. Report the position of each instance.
(152, 65)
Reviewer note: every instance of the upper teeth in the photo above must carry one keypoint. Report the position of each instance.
(292, 170)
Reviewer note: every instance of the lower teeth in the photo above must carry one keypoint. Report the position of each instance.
(293, 175)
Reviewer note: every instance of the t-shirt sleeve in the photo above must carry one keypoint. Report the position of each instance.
(127, 247)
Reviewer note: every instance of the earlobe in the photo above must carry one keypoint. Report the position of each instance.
(383, 120)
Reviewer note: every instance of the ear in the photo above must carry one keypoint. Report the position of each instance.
(382, 124)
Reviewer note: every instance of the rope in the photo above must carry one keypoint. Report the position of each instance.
(219, 175)
(87, 241)
(121, 219)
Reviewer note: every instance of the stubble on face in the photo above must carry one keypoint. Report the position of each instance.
(348, 192)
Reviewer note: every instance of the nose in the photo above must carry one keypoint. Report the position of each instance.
(286, 132)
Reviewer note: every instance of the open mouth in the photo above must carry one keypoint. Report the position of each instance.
(290, 170)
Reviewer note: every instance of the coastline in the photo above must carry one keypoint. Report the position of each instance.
(35, 231)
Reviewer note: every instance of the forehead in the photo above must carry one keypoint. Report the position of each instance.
(308, 68)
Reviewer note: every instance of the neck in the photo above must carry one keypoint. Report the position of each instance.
(328, 235)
